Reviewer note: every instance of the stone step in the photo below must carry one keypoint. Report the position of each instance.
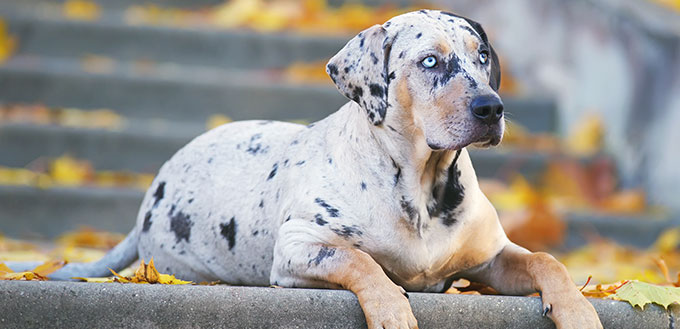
(104, 305)
(200, 4)
(144, 145)
(171, 93)
(29, 212)
(193, 94)
(47, 36)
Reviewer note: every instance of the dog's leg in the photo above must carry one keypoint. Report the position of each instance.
(385, 304)
(516, 271)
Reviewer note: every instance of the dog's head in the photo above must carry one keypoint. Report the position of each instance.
(435, 69)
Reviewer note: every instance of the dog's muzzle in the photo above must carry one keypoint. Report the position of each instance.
(488, 112)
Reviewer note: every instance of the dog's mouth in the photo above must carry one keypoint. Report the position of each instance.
(488, 136)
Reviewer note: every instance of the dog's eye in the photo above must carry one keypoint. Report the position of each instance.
(429, 62)
(483, 57)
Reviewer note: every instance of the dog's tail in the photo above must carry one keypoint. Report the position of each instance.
(118, 258)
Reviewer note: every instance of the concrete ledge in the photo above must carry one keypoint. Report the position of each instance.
(91, 305)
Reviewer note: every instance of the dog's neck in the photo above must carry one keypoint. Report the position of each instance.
(418, 170)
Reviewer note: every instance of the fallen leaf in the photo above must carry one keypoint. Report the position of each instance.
(147, 273)
(586, 138)
(48, 268)
(83, 10)
(640, 294)
(7, 42)
(90, 238)
(217, 120)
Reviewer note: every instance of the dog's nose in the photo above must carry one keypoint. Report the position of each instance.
(487, 108)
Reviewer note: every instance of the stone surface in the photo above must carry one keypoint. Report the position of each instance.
(91, 305)
(36, 213)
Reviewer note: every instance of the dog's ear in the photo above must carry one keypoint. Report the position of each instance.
(360, 71)
(495, 76)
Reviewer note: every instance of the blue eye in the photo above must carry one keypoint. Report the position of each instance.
(483, 57)
(429, 62)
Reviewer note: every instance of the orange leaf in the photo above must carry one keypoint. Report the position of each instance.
(48, 267)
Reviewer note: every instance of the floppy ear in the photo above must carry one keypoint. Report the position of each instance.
(360, 71)
(495, 76)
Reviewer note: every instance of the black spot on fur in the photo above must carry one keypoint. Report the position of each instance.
(332, 69)
(273, 172)
(261, 205)
(210, 160)
(357, 92)
(376, 90)
(300, 163)
(324, 253)
(319, 220)
(471, 31)
(409, 209)
(181, 224)
(447, 198)
(256, 232)
(347, 231)
(453, 195)
(361, 42)
(330, 160)
(255, 146)
(228, 231)
(420, 34)
(401, 54)
(287, 219)
(363, 186)
(159, 194)
(333, 212)
(374, 58)
(147, 222)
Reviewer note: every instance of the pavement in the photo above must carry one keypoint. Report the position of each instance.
(48, 304)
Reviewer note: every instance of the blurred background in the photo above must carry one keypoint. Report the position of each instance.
(96, 94)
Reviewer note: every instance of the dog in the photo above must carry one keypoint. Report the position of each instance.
(378, 198)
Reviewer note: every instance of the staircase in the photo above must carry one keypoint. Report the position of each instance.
(166, 82)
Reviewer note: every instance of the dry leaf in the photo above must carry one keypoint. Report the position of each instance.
(640, 294)
(7, 42)
(217, 120)
(48, 268)
(83, 10)
(148, 274)
(586, 139)
(90, 238)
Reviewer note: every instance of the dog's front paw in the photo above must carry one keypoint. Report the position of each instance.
(387, 308)
(570, 310)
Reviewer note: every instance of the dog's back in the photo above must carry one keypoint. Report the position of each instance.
(208, 196)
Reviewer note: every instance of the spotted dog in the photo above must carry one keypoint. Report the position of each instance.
(378, 198)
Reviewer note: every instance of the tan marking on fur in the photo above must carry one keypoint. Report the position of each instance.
(539, 271)
(443, 46)
(383, 302)
(471, 44)
(404, 95)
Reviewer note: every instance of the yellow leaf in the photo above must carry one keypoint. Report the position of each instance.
(668, 241)
(5, 269)
(586, 139)
(217, 120)
(7, 42)
(640, 294)
(87, 237)
(68, 171)
(83, 10)
(96, 280)
(148, 274)
(48, 267)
